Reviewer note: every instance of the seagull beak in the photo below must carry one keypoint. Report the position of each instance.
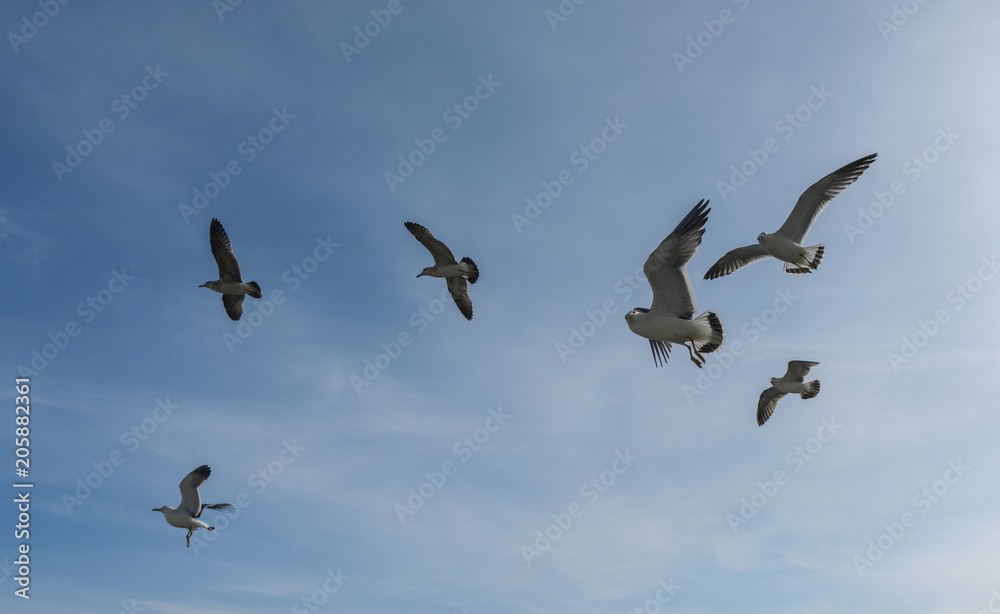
(421, 275)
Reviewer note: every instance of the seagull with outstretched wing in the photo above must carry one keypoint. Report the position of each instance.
(230, 282)
(670, 319)
(445, 265)
(188, 513)
(786, 243)
(792, 382)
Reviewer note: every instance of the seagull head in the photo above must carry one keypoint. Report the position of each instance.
(772, 380)
(208, 284)
(761, 237)
(161, 509)
(635, 312)
(426, 271)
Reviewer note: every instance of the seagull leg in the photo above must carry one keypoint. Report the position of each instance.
(695, 347)
(693, 359)
(189, 538)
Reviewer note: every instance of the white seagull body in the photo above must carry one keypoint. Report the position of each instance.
(230, 282)
(188, 513)
(786, 243)
(670, 319)
(792, 382)
(445, 265)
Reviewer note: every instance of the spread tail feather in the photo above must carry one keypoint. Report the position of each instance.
(474, 276)
(714, 327)
(812, 389)
(256, 293)
(814, 255)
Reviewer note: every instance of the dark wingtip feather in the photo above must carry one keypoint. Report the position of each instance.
(695, 219)
(660, 352)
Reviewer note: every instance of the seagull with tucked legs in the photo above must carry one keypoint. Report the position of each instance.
(792, 382)
(445, 265)
(230, 282)
(670, 319)
(188, 513)
(786, 243)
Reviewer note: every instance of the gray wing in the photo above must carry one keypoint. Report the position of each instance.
(666, 267)
(765, 407)
(190, 499)
(234, 305)
(229, 269)
(460, 292)
(814, 200)
(798, 370)
(440, 251)
(736, 259)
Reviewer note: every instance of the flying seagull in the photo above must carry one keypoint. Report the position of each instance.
(790, 383)
(187, 514)
(455, 273)
(669, 319)
(786, 243)
(230, 282)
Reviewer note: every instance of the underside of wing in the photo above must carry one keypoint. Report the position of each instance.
(736, 259)
(666, 267)
(234, 305)
(222, 249)
(460, 292)
(190, 499)
(814, 200)
(798, 370)
(673, 295)
(440, 251)
(768, 400)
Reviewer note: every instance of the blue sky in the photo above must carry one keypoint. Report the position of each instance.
(126, 128)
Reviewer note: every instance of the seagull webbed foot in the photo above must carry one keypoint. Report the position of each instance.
(692, 351)
(697, 353)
